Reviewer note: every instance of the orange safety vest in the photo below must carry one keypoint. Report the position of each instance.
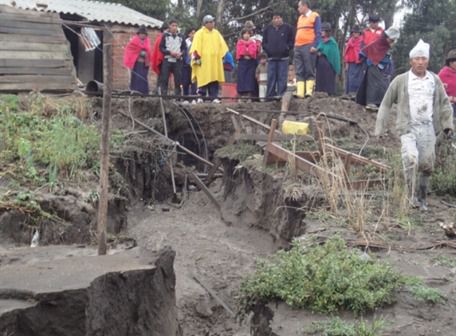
(305, 32)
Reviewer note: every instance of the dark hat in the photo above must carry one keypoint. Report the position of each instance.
(374, 18)
(326, 27)
(450, 57)
(355, 29)
(142, 30)
(249, 25)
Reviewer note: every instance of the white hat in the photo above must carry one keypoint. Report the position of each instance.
(208, 18)
(393, 33)
(420, 50)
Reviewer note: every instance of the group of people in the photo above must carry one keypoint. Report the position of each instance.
(426, 102)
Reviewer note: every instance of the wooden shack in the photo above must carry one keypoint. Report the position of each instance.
(34, 52)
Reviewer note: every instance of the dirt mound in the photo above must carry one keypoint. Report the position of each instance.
(109, 295)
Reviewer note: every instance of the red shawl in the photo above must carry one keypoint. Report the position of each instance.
(133, 49)
(352, 50)
(157, 55)
(377, 50)
(246, 48)
(448, 77)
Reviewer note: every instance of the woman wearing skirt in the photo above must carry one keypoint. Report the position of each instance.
(328, 61)
(246, 53)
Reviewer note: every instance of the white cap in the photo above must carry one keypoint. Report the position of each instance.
(393, 33)
(420, 50)
(208, 18)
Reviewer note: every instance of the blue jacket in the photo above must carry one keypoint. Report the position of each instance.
(277, 42)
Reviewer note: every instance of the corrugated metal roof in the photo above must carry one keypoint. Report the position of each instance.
(95, 11)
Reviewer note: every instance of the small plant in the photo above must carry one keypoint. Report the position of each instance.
(443, 180)
(445, 261)
(239, 151)
(422, 292)
(321, 278)
(338, 327)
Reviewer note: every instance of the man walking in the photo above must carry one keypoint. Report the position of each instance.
(173, 46)
(278, 40)
(308, 37)
(207, 52)
(423, 110)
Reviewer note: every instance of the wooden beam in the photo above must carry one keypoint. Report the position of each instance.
(270, 139)
(39, 32)
(355, 158)
(39, 79)
(25, 46)
(301, 163)
(28, 38)
(21, 25)
(38, 55)
(36, 86)
(17, 62)
(35, 71)
(102, 216)
(253, 120)
(29, 18)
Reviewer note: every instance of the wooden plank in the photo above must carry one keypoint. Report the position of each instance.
(15, 23)
(269, 141)
(35, 71)
(24, 17)
(35, 79)
(277, 138)
(27, 38)
(22, 46)
(355, 158)
(39, 32)
(44, 86)
(13, 63)
(301, 164)
(31, 13)
(35, 55)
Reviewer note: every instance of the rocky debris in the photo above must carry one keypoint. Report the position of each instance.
(203, 307)
(89, 295)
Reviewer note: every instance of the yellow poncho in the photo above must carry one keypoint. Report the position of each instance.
(211, 47)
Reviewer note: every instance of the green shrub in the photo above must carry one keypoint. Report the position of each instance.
(338, 327)
(61, 144)
(323, 278)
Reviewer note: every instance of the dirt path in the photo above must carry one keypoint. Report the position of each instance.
(219, 255)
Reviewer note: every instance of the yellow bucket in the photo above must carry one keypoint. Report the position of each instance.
(295, 127)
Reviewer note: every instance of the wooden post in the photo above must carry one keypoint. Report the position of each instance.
(270, 139)
(104, 146)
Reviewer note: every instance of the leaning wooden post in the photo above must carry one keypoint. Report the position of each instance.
(102, 218)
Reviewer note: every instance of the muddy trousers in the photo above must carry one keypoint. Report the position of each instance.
(418, 157)
(305, 63)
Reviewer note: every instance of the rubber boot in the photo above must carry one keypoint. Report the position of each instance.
(300, 89)
(422, 192)
(410, 180)
(310, 84)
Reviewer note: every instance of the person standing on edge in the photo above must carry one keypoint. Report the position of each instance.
(353, 64)
(246, 54)
(173, 47)
(423, 111)
(158, 57)
(373, 32)
(188, 87)
(137, 58)
(378, 69)
(328, 61)
(308, 37)
(207, 52)
(448, 77)
(278, 41)
(262, 76)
